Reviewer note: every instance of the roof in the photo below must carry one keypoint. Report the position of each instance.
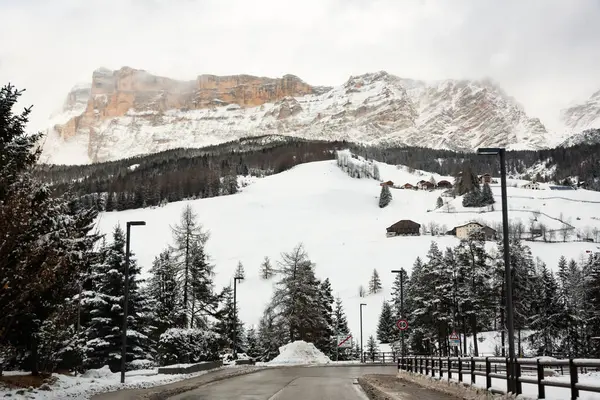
(405, 223)
(444, 181)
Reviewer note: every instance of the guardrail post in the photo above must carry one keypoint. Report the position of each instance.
(540, 379)
(472, 371)
(488, 371)
(449, 369)
(574, 380)
(460, 369)
(517, 377)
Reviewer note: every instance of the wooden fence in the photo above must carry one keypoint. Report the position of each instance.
(527, 370)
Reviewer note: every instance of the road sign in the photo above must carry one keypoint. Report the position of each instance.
(344, 341)
(402, 324)
(454, 339)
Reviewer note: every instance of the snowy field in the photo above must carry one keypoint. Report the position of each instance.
(338, 220)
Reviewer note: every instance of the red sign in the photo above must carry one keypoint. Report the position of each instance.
(344, 341)
(454, 336)
(402, 324)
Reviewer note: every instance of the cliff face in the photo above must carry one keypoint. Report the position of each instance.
(129, 112)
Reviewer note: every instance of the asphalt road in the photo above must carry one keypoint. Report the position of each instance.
(289, 383)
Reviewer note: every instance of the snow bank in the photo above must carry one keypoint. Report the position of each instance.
(300, 352)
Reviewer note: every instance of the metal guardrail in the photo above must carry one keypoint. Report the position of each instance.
(525, 368)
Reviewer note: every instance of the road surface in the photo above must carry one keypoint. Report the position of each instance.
(290, 383)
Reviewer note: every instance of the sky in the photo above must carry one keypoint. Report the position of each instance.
(544, 53)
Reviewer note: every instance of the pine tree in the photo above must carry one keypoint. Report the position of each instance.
(239, 271)
(385, 197)
(439, 203)
(104, 333)
(203, 299)
(466, 180)
(163, 292)
(266, 269)
(487, 197)
(341, 330)
(229, 321)
(295, 303)
(189, 237)
(386, 328)
(46, 242)
(546, 321)
(252, 345)
(374, 283)
(272, 334)
(376, 174)
(372, 348)
(472, 199)
(398, 292)
(326, 330)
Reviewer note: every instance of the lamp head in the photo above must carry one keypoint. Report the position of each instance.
(136, 223)
(489, 151)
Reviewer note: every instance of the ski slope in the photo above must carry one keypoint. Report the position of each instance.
(338, 220)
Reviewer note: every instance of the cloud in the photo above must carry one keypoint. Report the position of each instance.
(544, 53)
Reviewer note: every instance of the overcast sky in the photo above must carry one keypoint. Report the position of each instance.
(545, 53)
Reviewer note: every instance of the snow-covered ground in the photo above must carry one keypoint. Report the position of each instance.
(338, 220)
(97, 381)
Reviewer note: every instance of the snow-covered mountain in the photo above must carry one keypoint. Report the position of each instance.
(130, 112)
(589, 136)
(584, 116)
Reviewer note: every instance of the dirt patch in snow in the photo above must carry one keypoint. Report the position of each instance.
(26, 381)
(390, 387)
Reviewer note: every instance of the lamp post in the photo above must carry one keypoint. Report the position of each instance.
(126, 298)
(401, 272)
(361, 334)
(507, 270)
(235, 279)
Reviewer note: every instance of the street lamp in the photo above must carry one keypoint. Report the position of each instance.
(235, 279)
(401, 272)
(507, 270)
(361, 334)
(126, 298)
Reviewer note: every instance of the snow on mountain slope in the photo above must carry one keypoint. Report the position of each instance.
(343, 230)
(583, 116)
(131, 112)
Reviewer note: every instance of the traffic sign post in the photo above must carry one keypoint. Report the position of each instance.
(402, 324)
(454, 339)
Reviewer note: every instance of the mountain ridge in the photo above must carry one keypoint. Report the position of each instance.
(129, 112)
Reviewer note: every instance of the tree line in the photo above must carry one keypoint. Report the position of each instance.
(461, 289)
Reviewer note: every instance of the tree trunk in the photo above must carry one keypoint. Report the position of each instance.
(34, 355)
(474, 329)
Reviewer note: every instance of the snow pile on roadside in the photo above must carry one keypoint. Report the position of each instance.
(299, 352)
(101, 380)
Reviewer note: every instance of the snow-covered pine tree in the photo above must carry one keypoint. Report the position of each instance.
(239, 271)
(203, 299)
(340, 329)
(46, 245)
(372, 348)
(230, 184)
(376, 174)
(296, 296)
(188, 236)
(592, 296)
(432, 181)
(252, 345)
(399, 290)
(229, 321)
(375, 283)
(386, 328)
(266, 269)
(104, 333)
(476, 296)
(361, 291)
(163, 291)
(385, 197)
(487, 197)
(439, 203)
(273, 333)
(466, 180)
(546, 321)
(472, 199)
(326, 332)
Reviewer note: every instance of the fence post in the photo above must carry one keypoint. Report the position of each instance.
(472, 370)
(441, 368)
(509, 388)
(574, 380)
(460, 369)
(410, 366)
(432, 367)
(398, 362)
(427, 366)
(449, 369)
(373, 356)
(518, 383)
(416, 370)
(488, 371)
(421, 365)
(383, 357)
(540, 378)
